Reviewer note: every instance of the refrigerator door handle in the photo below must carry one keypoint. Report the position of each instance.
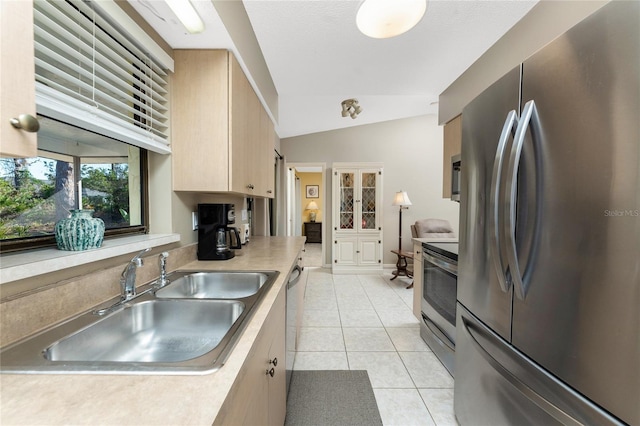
(481, 338)
(509, 129)
(511, 194)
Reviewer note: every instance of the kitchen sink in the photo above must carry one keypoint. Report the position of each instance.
(190, 326)
(151, 331)
(214, 285)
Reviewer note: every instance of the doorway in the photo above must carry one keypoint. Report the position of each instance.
(306, 206)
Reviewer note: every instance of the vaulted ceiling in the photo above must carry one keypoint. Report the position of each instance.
(317, 57)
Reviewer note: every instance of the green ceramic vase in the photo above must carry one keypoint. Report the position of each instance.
(79, 232)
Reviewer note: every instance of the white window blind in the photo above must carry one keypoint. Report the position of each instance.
(91, 74)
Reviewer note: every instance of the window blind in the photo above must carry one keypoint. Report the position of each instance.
(89, 71)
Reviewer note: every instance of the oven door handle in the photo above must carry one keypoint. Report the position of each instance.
(441, 263)
(437, 333)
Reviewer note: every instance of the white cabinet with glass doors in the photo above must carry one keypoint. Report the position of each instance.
(357, 217)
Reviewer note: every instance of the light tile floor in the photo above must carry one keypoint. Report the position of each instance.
(364, 322)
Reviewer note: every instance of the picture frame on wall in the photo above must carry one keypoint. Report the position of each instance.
(313, 191)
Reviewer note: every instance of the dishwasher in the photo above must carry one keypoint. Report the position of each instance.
(295, 300)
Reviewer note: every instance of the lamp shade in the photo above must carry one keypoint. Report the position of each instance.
(389, 18)
(312, 206)
(401, 199)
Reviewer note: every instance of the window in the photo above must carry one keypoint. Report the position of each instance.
(91, 73)
(74, 169)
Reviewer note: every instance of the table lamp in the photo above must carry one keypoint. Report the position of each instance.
(312, 214)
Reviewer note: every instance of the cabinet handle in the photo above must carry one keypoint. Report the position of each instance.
(26, 122)
(269, 191)
(250, 186)
(274, 362)
(271, 372)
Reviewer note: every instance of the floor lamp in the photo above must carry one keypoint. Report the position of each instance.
(401, 200)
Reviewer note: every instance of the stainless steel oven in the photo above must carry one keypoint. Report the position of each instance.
(439, 288)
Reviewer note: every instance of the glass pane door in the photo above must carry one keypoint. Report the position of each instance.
(347, 204)
(368, 197)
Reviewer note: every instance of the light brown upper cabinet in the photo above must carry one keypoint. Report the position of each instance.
(219, 142)
(17, 79)
(452, 146)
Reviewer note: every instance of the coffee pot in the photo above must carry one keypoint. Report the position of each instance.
(223, 239)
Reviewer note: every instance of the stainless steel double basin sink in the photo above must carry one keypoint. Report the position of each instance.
(188, 326)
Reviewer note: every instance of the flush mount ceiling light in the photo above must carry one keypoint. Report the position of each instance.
(389, 18)
(351, 108)
(187, 14)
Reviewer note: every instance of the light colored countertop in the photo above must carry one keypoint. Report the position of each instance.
(46, 399)
(20, 265)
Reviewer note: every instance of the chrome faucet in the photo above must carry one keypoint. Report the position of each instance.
(162, 263)
(128, 277)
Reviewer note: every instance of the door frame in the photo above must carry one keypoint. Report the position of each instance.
(325, 198)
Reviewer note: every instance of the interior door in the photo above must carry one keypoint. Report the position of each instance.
(579, 316)
(482, 263)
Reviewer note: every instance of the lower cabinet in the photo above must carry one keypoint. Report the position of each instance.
(258, 396)
(356, 254)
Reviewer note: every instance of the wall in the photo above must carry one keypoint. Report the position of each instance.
(310, 179)
(411, 151)
(546, 21)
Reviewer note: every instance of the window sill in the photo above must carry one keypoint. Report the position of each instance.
(18, 266)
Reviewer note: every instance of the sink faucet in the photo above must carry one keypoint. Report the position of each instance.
(162, 263)
(128, 277)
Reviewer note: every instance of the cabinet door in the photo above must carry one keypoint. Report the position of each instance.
(17, 77)
(345, 200)
(264, 171)
(200, 120)
(247, 402)
(243, 120)
(369, 251)
(269, 156)
(277, 384)
(368, 200)
(452, 146)
(345, 251)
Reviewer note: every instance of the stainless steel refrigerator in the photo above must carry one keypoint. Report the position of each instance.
(548, 314)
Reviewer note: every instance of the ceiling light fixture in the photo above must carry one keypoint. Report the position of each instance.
(187, 14)
(389, 18)
(351, 108)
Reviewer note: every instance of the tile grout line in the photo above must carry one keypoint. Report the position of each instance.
(376, 309)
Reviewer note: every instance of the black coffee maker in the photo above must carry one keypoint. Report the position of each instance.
(215, 236)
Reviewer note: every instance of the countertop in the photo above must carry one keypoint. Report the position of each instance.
(49, 399)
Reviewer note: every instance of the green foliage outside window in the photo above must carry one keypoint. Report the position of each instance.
(30, 206)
